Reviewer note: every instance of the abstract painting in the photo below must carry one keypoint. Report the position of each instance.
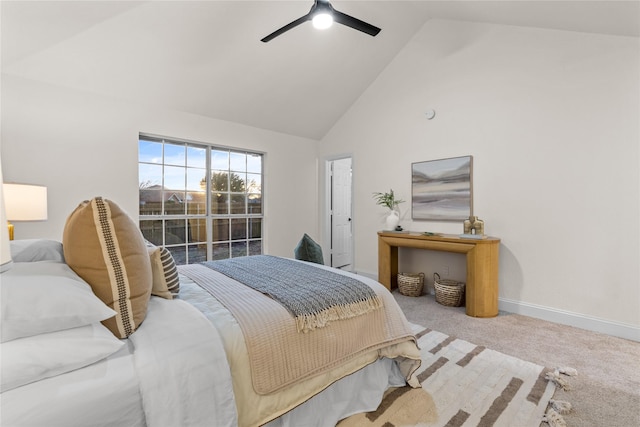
(442, 189)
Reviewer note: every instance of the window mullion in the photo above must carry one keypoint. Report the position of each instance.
(208, 200)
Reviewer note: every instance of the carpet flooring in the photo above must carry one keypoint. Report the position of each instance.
(606, 391)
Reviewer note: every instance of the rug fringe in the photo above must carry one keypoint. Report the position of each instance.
(561, 406)
(557, 407)
(555, 378)
(572, 372)
(554, 419)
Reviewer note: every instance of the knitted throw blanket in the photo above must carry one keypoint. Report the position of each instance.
(312, 295)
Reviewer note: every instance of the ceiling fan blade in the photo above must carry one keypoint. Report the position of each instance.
(355, 23)
(287, 27)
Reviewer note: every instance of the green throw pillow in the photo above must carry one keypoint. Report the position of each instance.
(308, 250)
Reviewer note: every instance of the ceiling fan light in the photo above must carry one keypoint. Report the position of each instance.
(322, 21)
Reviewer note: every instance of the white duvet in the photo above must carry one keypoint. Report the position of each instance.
(172, 372)
(182, 368)
(69, 400)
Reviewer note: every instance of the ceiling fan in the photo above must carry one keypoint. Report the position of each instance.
(323, 14)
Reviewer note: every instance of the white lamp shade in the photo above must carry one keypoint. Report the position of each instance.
(25, 202)
(5, 250)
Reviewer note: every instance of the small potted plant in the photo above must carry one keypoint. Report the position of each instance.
(389, 200)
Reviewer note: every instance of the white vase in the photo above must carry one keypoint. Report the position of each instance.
(393, 219)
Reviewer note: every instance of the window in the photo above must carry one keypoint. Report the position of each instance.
(200, 202)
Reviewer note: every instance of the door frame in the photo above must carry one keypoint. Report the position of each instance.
(326, 211)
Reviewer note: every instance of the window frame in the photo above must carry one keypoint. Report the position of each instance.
(182, 249)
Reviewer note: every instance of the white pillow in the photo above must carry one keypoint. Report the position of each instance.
(32, 250)
(31, 359)
(41, 297)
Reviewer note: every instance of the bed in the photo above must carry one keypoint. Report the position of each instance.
(187, 363)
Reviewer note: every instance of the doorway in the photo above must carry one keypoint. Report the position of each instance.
(340, 218)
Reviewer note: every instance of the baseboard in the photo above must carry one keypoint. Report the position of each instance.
(369, 275)
(577, 320)
(562, 317)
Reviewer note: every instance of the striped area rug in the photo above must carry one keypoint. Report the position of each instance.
(464, 385)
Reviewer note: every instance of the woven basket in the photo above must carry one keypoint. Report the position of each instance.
(410, 284)
(448, 292)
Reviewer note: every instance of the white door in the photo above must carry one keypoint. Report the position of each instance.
(341, 235)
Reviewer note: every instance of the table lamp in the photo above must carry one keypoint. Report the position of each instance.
(24, 202)
(5, 250)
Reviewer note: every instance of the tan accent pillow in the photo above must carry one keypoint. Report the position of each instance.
(105, 247)
(166, 283)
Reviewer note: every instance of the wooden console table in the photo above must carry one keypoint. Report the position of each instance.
(482, 265)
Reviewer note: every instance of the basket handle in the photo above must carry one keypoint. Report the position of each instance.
(436, 275)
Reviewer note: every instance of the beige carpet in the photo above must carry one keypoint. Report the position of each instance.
(464, 385)
(606, 391)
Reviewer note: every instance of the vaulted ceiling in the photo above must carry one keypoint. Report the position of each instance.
(206, 58)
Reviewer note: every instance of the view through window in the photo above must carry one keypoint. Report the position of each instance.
(199, 201)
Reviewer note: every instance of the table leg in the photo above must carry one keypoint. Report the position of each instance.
(482, 281)
(387, 264)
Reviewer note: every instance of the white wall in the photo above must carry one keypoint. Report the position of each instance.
(80, 146)
(552, 121)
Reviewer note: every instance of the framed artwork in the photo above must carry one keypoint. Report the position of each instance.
(442, 189)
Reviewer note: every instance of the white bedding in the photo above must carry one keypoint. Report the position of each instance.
(62, 401)
(162, 377)
(176, 370)
(182, 368)
(359, 392)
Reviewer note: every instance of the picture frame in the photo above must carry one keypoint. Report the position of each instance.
(442, 189)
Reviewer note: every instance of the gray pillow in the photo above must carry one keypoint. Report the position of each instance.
(308, 250)
(33, 250)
